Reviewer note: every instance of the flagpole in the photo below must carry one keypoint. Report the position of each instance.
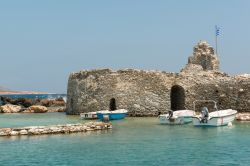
(216, 44)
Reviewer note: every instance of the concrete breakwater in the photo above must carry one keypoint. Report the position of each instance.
(55, 129)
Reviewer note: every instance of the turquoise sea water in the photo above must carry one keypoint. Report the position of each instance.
(131, 142)
(35, 96)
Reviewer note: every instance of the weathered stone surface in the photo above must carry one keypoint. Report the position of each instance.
(23, 132)
(203, 55)
(148, 93)
(243, 117)
(38, 109)
(26, 105)
(92, 90)
(55, 129)
(13, 133)
(28, 111)
(56, 109)
(3, 133)
(26, 102)
(9, 108)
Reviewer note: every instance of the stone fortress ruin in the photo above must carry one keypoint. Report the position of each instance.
(148, 93)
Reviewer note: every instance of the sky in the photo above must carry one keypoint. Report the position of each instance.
(42, 42)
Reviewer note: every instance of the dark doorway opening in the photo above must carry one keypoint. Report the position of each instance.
(177, 96)
(112, 104)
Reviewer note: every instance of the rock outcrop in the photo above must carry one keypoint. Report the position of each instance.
(56, 109)
(9, 108)
(36, 109)
(26, 102)
(26, 105)
(243, 117)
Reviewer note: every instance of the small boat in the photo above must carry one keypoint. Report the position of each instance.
(88, 115)
(112, 115)
(177, 117)
(214, 118)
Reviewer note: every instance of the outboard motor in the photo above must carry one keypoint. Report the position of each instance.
(170, 114)
(204, 115)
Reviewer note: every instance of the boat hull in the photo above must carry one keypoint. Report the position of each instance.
(179, 117)
(215, 121)
(175, 121)
(89, 115)
(112, 116)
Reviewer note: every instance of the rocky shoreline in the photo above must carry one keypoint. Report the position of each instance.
(25, 105)
(55, 129)
(243, 116)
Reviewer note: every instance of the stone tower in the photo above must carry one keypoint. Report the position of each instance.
(203, 55)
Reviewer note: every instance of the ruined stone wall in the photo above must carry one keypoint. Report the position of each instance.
(228, 92)
(143, 93)
(147, 93)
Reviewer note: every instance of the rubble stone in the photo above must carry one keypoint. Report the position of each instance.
(55, 129)
(9, 108)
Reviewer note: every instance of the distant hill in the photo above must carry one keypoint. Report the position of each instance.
(4, 90)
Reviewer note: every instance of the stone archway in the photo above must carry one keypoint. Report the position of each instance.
(112, 104)
(177, 97)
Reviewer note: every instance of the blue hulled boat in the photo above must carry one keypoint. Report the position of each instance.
(112, 115)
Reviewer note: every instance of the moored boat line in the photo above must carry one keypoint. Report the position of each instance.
(200, 117)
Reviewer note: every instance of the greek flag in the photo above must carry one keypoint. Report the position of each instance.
(217, 31)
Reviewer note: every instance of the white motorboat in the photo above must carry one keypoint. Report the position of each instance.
(177, 117)
(88, 115)
(214, 118)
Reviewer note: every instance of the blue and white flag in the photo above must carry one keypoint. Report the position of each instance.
(217, 31)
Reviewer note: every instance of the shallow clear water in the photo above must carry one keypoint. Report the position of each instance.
(133, 141)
